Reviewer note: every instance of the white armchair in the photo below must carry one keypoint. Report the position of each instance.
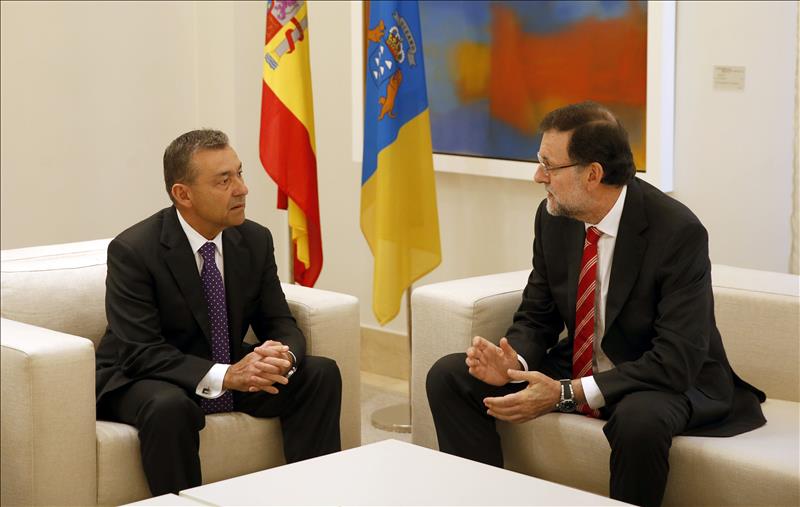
(758, 315)
(53, 451)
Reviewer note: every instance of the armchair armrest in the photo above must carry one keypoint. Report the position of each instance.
(445, 317)
(48, 417)
(331, 324)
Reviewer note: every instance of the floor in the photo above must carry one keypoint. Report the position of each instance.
(377, 392)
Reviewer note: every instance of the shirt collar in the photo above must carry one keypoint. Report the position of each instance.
(609, 225)
(197, 240)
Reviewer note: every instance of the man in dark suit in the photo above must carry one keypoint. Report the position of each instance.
(183, 287)
(625, 268)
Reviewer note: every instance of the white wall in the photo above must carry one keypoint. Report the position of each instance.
(794, 261)
(92, 93)
(734, 149)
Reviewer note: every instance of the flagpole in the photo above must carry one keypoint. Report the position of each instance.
(291, 249)
(397, 418)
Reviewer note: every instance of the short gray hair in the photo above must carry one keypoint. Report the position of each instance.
(178, 155)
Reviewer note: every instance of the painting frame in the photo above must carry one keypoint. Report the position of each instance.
(660, 109)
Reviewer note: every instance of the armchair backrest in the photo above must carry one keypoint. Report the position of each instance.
(62, 287)
(757, 313)
(758, 316)
(58, 287)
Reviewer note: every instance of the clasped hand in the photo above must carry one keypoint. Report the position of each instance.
(260, 370)
(498, 366)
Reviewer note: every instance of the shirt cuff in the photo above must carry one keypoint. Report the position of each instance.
(594, 398)
(524, 368)
(211, 385)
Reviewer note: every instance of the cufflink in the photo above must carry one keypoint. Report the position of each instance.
(206, 390)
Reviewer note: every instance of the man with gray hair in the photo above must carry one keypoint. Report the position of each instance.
(183, 287)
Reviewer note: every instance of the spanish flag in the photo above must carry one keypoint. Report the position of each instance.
(286, 144)
(399, 217)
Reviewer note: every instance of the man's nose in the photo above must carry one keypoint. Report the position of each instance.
(241, 188)
(538, 175)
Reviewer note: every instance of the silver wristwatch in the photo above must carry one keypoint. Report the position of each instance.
(293, 369)
(567, 403)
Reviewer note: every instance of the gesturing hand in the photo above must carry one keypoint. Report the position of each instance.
(540, 397)
(490, 363)
(259, 370)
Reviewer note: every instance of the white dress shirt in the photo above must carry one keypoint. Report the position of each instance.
(609, 226)
(210, 386)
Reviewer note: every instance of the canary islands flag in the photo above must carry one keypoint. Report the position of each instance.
(286, 144)
(399, 218)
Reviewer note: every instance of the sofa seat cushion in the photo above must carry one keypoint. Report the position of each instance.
(231, 444)
(760, 467)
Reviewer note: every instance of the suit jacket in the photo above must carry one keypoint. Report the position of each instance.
(158, 325)
(660, 331)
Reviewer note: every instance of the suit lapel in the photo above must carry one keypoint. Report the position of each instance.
(628, 253)
(183, 265)
(574, 236)
(237, 262)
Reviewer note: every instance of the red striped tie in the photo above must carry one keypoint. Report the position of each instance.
(584, 314)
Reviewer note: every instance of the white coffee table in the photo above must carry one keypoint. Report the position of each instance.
(168, 500)
(389, 473)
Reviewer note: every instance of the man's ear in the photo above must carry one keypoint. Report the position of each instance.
(182, 195)
(596, 174)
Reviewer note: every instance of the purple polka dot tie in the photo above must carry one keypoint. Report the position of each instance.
(214, 292)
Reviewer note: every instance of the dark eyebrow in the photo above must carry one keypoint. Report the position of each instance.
(227, 173)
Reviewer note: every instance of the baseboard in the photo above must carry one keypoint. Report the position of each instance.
(385, 352)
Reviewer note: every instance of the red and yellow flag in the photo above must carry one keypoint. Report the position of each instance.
(286, 144)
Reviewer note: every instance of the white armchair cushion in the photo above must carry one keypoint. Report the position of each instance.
(122, 478)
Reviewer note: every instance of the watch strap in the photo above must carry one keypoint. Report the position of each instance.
(567, 402)
(293, 369)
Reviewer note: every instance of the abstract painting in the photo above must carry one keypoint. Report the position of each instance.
(495, 68)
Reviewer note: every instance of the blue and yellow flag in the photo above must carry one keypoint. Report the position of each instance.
(399, 218)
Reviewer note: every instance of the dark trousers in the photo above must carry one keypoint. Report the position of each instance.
(169, 420)
(639, 429)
